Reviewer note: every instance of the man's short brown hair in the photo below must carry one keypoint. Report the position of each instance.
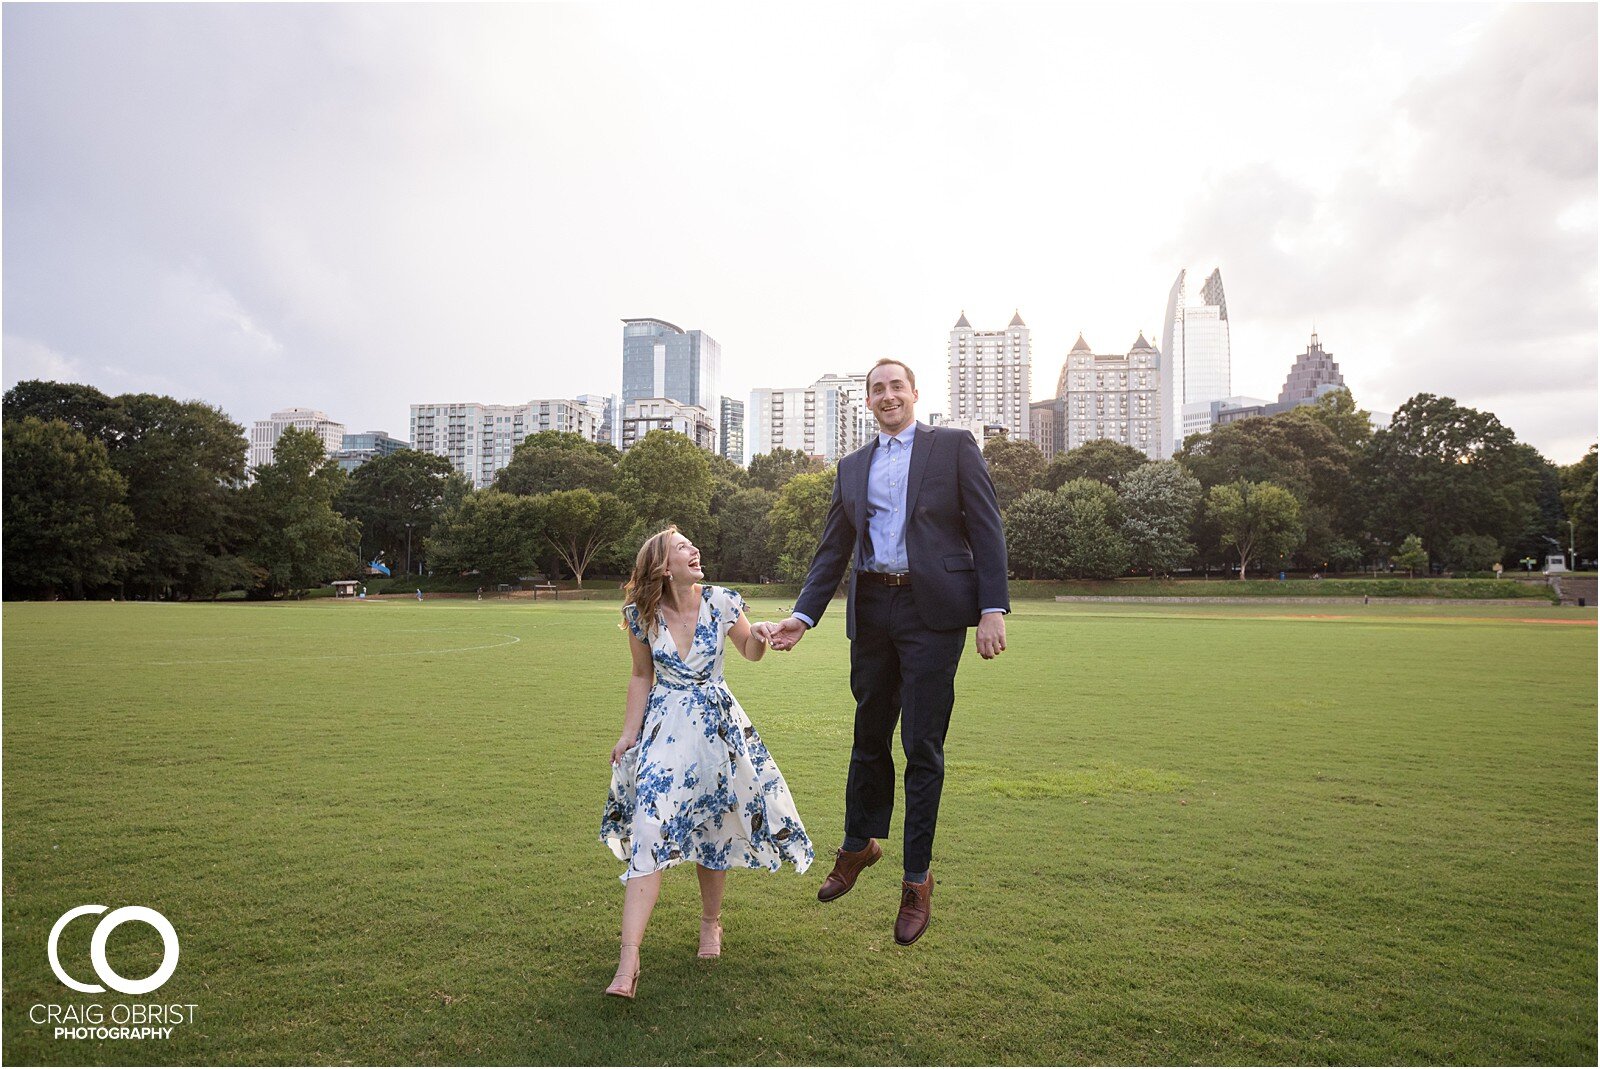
(911, 376)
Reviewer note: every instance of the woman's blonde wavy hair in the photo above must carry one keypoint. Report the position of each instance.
(648, 583)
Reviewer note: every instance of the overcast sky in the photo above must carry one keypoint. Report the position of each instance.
(356, 208)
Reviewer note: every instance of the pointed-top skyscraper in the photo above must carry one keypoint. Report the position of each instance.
(990, 376)
(1196, 360)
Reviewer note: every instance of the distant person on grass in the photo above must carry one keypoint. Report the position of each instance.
(691, 780)
(915, 522)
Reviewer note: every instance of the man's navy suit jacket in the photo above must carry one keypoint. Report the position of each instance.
(955, 545)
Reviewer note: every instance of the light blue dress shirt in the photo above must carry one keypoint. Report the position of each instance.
(886, 502)
(886, 507)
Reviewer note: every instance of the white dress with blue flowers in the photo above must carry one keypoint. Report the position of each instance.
(699, 785)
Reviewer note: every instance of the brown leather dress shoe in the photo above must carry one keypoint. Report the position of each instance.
(915, 908)
(847, 868)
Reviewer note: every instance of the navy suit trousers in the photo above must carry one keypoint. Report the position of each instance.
(900, 669)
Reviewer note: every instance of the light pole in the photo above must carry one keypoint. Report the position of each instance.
(408, 549)
(1572, 544)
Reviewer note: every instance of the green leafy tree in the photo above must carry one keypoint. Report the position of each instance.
(665, 478)
(582, 526)
(1158, 502)
(491, 532)
(1015, 466)
(744, 536)
(388, 492)
(796, 521)
(300, 541)
(1471, 553)
(1102, 460)
(83, 408)
(1295, 450)
(1545, 529)
(1343, 555)
(64, 521)
(1578, 504)
(557, 460)
(1093, 546)
(1259, 521)
(1442, 469)
(771, 471)
(1336, 410)
(184, 462)
(1412, 556)
(724, 470)
(1035, 530)
(727, 481)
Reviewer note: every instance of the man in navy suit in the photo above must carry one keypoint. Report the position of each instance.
(915, 520)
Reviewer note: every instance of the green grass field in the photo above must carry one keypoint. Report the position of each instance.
(1218, 834)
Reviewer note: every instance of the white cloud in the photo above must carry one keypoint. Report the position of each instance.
(360, 207)
(28, 358)
(1445, 258)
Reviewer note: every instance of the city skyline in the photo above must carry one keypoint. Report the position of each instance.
(355, 209)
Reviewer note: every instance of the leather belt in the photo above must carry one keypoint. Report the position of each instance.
(885, 578)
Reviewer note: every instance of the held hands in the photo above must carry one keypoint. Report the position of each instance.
(992, 635)
(783, 635)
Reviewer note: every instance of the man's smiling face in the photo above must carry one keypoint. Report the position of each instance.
(892, 397)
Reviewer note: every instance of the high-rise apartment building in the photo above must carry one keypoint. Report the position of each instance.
(1196, 360)
(264, 433)
(660, 360)
(648, 414)
(819, 420)
(854, 388)
(731, 440)
(1313, 371)
(608, 426)
(478, 440)
(990, 376)
(1115, 397)
(356, 449)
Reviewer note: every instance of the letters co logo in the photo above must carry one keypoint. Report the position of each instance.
(97, 949)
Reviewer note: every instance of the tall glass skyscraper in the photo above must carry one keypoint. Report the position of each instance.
(663, 360)
(1196, 358)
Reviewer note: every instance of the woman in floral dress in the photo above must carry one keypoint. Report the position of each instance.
(690, 779)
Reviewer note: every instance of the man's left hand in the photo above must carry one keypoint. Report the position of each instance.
(992, 635)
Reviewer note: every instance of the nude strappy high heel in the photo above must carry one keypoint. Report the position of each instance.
(624, 984)
(711, 937)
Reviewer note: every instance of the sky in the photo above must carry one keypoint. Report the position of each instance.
(357, 208)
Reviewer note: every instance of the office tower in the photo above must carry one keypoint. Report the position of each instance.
(648, 414)
(1313, 373)
(478, 440)
(819, 420)
(990, 376)
(264, 433)
(1047, 425)
(1117, 398)
(604, 407)
(732, 430)
(1196, 361)
(660, 360)
(356, 449)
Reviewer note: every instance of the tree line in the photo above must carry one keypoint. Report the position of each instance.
(142, 495)
(1314, 489)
